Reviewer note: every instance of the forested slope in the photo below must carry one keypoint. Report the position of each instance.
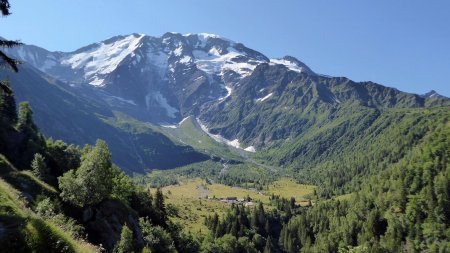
(404, 208)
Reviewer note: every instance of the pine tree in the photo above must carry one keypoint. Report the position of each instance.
(160, 207)
(125, 245)
(268, 247)
(267, 228)
(159, 200)
(32, 141)
(39, 167)
(8, 114)
(25, 121)
(214, 222)
(4, 7)
(4, 59)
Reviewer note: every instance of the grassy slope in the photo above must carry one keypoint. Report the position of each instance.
(150, 146)
(21, 230)
(190, 197)
(190, 133)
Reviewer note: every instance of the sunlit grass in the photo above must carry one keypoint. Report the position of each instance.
(288, 188)
(28, 231)
(195, 199)
(191, 134)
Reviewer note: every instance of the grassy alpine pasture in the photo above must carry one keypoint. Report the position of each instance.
(195, 199)
(190, 133)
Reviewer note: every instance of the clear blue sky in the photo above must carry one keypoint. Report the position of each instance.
(402, 43)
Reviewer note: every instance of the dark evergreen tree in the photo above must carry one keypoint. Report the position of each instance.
(5, 60)
(39, 167)
(269, 246)
(8, 113)
(160, 208)
(25, 123)
(32, 141)
(125, 245)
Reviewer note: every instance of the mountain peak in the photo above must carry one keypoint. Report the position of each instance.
(433, 94)
(103, 58)
(293, 64)
(206, 36)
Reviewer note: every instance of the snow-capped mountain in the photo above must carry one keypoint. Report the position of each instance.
(170, 76)
(237, 95)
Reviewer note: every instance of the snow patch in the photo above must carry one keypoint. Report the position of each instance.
(177, 125)
(208, 36)
(185, 59)
(213, 62)
(123, 100)
(183, 120)
(178, 51)
(198, 78)
(250, 149)
(97, 82)
(289, 64)
(229, 91)
(264, 98)
(234, 143)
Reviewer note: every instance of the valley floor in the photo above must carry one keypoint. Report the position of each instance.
(195, 199)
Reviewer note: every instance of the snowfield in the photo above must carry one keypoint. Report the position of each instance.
(103, 58)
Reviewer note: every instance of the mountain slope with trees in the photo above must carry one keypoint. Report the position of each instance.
(401, 209)
(326, 131)
(67, 115)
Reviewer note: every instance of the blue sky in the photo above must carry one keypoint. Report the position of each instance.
(403, 43)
